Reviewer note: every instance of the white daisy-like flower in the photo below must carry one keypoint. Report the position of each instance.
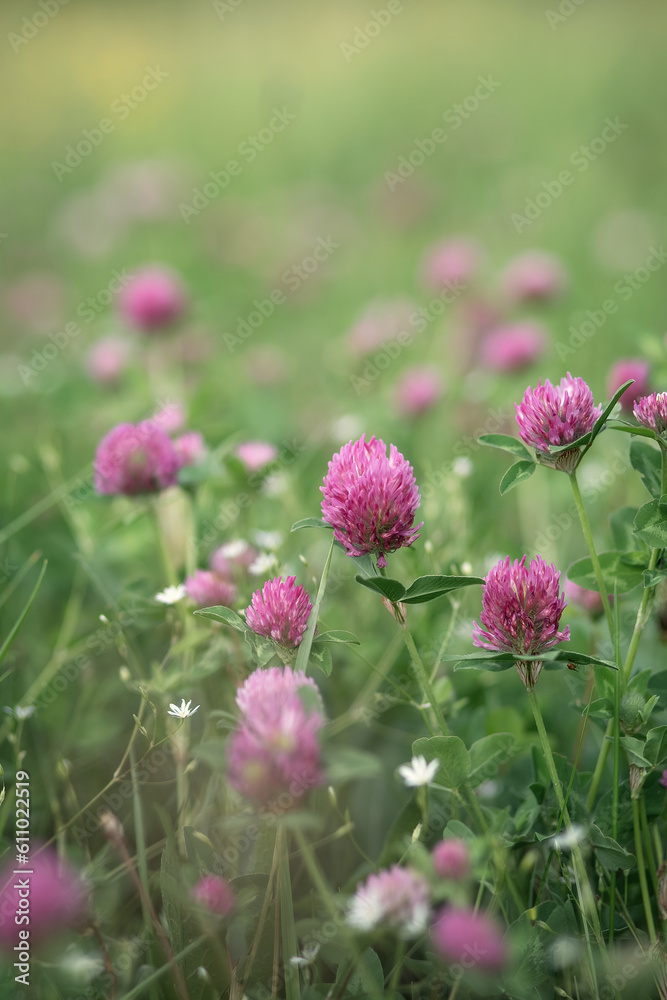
(182, 712)
(264, 563)
(171, 595)
(269, 539)
(418, 772)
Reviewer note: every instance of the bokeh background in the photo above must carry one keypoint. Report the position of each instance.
(361, 98)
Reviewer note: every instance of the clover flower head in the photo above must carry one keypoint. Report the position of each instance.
(651, 412)
(280, 611)
(135, 458)
(521, 611)
(370, 499)
(554, 416)
(398, 898)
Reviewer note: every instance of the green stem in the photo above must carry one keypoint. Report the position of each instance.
(648, 846)
(154, 976)
(639, 852)
(586, 899)
(640, 622)
(290, 946)
(140, 843)
(588, 536)
(423, 680)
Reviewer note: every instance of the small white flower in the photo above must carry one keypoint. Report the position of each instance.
(183, 712)
(569, 838)
(269, 539)
(21, 711)
(264, 562)
(171, 595)
(275, 485)
(418, 772)
(232, 550)
(462, 467)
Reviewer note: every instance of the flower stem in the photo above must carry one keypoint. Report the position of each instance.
(585, 895)
(290, 948)
(423, 680)
(588, 536)
(639, 852)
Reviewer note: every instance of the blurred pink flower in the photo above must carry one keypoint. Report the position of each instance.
(554, 416)
(534, 275)
(626, 369)
(468, 938)
(417, 391)
(170, 417)
(275, 750)
(451, 262)
(381, 321)
(521, 611)
(135, 458)
(107, 359)
(190, 448)
(207, 589)
(589, 600)
(651, 412)
(256, 454)
(663, 780)
(153, 300)
(513, 346)
(398, 898)
(280, 611)
(215, 894)
(57, 897)
(451, 859)
(371, 500)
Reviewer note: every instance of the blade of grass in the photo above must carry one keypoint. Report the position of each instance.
(19, 621)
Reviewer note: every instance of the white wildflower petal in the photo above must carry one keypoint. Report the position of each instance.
(263, 564)
(418, 772)
(234, 549)
(171, 595)
(182, 711)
